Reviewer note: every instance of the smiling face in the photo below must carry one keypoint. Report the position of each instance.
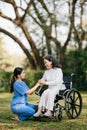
(21, 76)
(48, 64)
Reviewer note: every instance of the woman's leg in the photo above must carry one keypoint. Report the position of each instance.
(43, 99)
(42, 103)
(50, 101)
(24, 111)
(16, 117)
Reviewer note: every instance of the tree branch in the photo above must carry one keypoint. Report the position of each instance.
(8, 1)
(13, 37)
(12, 2)
(15, 9)
(35, 20)
(44, 6)
(26, 11)
(6, 17)
(25, 50)
(68, 38)
(39, 15)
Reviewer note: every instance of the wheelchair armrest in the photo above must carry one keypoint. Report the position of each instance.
(41, 90)
(60, 95)
(66, 83)
(61, 92)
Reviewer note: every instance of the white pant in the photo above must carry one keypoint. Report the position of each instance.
(47, 98)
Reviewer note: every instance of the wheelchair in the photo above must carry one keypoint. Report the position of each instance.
(70, 97)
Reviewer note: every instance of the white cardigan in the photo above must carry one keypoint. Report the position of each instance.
(54, 80)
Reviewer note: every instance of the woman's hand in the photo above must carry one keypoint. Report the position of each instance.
(38, 84)
(41, 82)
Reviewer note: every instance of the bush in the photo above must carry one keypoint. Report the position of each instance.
(30, 78)
(76, 62)
(5, 80)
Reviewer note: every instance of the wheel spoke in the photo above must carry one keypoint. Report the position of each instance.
(73, 104)
(78, 105)
(69, 108)
(76, 98)
(76, 111)
(72, 111)
(73, 95)
(68, 102)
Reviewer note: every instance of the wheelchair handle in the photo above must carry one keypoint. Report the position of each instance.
(72, 74)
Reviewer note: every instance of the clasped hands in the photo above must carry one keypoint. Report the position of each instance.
(41, 82)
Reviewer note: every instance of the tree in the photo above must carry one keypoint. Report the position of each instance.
(48, 21)
(20, 21)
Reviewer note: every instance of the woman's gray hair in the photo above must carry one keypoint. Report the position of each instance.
(53, 60)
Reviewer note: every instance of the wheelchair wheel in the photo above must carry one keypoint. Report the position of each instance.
(59, 115)
(73, 104)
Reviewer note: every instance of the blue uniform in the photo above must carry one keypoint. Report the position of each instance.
(19, 104)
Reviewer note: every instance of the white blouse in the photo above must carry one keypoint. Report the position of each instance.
(54, 78)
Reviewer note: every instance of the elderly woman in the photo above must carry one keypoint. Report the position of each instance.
(53, 77)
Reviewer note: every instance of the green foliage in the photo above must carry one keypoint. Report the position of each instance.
(76, 62)
(5, 80)
(31, 78)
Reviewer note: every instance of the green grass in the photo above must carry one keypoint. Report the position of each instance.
(6, 123)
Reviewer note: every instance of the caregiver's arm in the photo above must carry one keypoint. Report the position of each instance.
(30, 91)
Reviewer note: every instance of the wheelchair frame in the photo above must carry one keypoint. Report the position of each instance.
(71, 98)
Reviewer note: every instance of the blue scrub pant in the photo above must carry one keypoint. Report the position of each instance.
(24, 111)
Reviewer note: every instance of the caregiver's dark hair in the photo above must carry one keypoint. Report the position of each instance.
(53, 60)
(17, 71)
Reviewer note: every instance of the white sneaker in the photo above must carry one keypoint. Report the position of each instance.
(47, 115)
(38, 115)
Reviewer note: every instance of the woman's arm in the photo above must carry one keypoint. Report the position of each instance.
(30, 91)
(58, 78)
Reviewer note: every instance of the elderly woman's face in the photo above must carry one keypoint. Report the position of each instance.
(48, 64)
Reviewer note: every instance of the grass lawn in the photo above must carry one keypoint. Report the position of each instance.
(6, 123)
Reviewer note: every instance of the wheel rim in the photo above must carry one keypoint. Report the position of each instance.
(73, 104)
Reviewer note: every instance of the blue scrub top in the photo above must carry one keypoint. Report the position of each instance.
(20, 96)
